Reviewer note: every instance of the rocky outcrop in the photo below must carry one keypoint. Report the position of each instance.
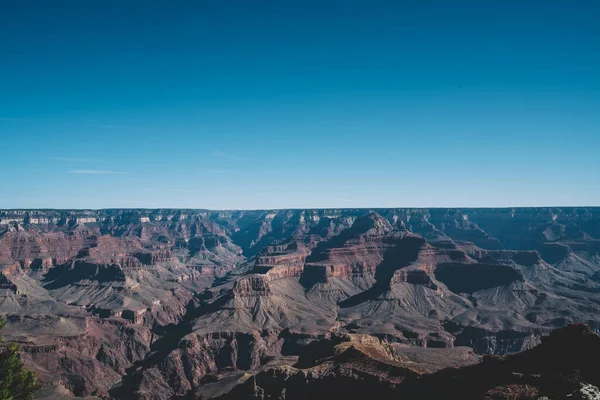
(227, 293)
(156, 256)
(254, 285)
(561, 367)
(92, 362)
(356, 251)
(82, 270)
(556, 368)
(348, 366)
(414, 277)
(281, 261)
(7, 284)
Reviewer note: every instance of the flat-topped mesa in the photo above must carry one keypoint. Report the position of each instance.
(155, 256)
(345, 263)
(257, 284)
(281, 261)
(252, 286)
(521, 257)
(101, 253)
(83, 270)
(430, 256)
(99, 272)
(284, 271)
(414, 277)
(275, 260)
(368, 228)
(360, 250)
(314, 273)
(554, 252)
(26, 246)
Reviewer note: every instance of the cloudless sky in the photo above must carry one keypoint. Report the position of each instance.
(277, 104)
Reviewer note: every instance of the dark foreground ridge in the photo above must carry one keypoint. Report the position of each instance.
(159, 304)
(563, 366)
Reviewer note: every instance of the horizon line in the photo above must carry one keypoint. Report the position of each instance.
(296, 208)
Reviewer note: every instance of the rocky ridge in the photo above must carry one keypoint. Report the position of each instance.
(199, 297)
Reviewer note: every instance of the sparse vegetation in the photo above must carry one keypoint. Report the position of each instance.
(16, 381)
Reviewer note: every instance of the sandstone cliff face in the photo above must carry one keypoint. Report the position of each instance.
(252, 286)
(91, 362)
(104, 270)
(196, 298)
(356, 251)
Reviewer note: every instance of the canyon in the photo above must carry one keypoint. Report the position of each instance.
(172, 303)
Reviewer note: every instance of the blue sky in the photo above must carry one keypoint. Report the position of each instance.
(276, 104)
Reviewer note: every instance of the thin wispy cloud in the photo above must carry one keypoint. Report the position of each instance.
(68, 159)
(98, 172)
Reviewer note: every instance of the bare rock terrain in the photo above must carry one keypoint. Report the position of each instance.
(154, 304)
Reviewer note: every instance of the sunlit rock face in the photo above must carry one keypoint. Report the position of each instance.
(195, 299)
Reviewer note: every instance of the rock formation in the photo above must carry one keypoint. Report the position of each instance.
(197, 301)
